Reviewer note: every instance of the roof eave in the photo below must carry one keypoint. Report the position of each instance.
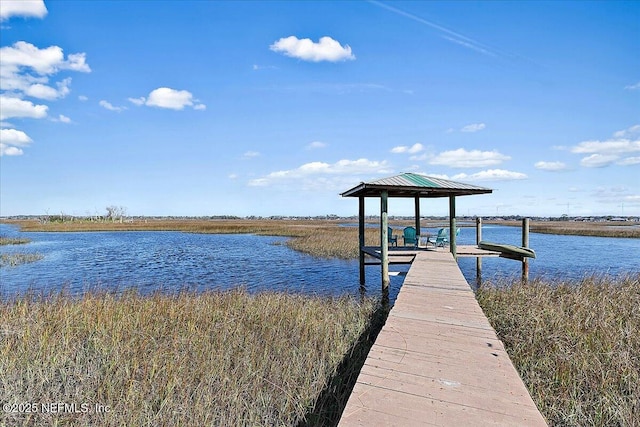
(369, 190)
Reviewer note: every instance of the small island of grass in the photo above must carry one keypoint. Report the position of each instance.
(17, 258)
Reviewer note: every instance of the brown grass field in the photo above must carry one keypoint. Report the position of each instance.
(599, 229)
(575, 344)
(214, 358)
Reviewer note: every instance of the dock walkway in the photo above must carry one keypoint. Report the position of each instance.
(437, 360)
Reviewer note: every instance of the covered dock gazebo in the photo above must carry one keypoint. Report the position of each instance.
(406, 185)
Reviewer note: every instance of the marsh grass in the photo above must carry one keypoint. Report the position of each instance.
(13, 241)
(576, 346)
(12, 260)
(215, 358)
(579, 228)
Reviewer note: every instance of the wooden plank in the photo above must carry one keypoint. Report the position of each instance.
(403, 259)
(437, 360)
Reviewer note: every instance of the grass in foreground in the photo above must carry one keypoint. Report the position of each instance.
(576, 346)
(218, 358)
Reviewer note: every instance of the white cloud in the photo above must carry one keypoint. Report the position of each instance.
(629, 161)
(316, 144)
(11, 140)
(618, 194)
(6, 150)
(598, 160)
(551, 166)
(16, 107)
(41, 91)
(25, 71)
(635, 86)
(24, 8)
(257, 67)
(76, 62)
(111, 107)
(474, 127)
(14, 137)
(327, 49)
(422, 157)
(83, 98)
(618, 146)
(491, 175)
(23, 55)
(611, 151)
(415, 148)
(462, 158)
(137, 101)
(315, 169)
(251, 154)
(631, 132)
(164, 97)
(49, 93)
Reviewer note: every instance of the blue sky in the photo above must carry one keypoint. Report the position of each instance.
(274, 108)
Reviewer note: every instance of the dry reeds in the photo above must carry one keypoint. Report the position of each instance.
(576, 346)
(581, 228)
(217, 358)
(12, 241)
(12, 260)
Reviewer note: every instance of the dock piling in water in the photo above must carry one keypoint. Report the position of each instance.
(525, 244)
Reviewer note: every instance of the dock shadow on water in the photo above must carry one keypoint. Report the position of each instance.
(328, 407)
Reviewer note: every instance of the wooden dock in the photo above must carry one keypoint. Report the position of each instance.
(437, 361)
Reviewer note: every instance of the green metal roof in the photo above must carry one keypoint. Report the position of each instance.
(412, 185)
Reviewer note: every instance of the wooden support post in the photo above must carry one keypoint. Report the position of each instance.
(478, 258)
(384, 240)
(417, 211)
(525, 244)
(361, 234)
(452, 225)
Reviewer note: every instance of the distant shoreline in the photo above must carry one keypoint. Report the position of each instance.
(292, 227)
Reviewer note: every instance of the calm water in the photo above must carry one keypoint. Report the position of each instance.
(174, 260)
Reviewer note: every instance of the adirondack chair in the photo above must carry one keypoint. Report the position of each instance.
(409, 236)
(446, 238)
(391, 239)
(441, 239)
